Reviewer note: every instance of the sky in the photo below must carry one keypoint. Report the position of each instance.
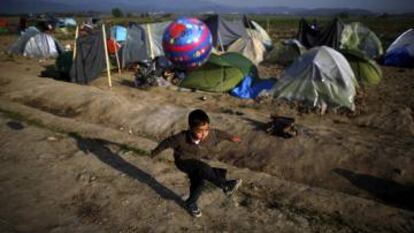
(389, 6)
(373, 5)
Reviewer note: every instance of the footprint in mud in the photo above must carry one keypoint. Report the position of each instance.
(15, 125)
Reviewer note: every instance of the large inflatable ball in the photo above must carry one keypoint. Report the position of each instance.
(187, 42)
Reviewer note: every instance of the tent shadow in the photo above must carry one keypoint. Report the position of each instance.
(258, 125)
(50, 71)
(99, 148)
(388, 191)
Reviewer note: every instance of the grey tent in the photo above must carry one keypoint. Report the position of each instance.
(90, 58)
(320, 77)
(35, 44)
(224, 31)
(143, 42)
(135, 46)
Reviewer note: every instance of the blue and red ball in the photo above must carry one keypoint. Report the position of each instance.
(187, 43)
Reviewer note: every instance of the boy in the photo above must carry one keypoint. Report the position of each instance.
(189, 146)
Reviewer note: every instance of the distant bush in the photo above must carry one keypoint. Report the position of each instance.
(117, 13)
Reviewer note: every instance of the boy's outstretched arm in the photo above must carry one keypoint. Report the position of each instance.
(222, 135)
(164, 144)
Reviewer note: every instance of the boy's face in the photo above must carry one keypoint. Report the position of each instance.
(200, 132)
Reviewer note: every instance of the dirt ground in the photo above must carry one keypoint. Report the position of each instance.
(74, 157)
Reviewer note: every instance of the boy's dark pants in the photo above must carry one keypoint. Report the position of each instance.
(198, 172)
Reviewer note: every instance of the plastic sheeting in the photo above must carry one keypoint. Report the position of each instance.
(321, 77)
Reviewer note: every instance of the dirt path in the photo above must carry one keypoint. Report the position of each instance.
(57, 178)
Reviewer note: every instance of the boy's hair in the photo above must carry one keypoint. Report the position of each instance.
(197, 118)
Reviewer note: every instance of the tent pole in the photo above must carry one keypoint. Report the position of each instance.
(220, 42)
(117, 58)
(108, 69)
(268, 25)
(74, 45)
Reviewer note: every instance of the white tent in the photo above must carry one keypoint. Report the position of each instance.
(36, 45)
(41, 45)
(321, 77)
(251, 47)
(154, 33)
(258, 32)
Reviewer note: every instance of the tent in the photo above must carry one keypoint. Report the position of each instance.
(90, 58)
(321, 77)
(255, 30)
(401, 51)
(220, 73)
(330, 35)
(366, 70)
(356, 36)
(36, 45)
(142, 42)
(285, 52)
(154, 33)
(251, 47)
(135, 46)
(118, 33)
(224, 31)
(18, 46)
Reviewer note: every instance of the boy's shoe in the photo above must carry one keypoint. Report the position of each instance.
(231, 186)
(194, 210)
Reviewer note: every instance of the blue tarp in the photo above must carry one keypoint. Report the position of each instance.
(119, 33)
(248, 89)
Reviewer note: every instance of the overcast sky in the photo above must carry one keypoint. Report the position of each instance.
(374, 5)
(391, 6)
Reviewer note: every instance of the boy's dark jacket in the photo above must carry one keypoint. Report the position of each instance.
(184, 148)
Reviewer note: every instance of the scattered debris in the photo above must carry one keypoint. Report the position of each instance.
(282, 126)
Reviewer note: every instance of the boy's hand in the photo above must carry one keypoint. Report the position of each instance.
(236, 139)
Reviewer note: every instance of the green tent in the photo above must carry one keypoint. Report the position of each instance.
(356, 36)
(366, 70)
(285, 52)
(221, 73)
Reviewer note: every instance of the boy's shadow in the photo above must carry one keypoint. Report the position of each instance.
(388, 191)
(98, 148)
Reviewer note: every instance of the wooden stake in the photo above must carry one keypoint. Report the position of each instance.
(150, 41)
(74, 46)
(108, 68)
